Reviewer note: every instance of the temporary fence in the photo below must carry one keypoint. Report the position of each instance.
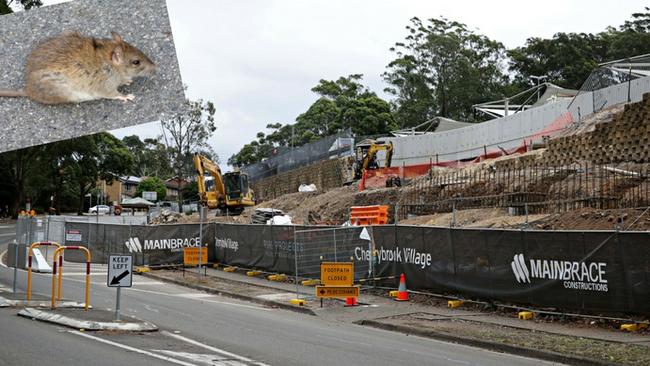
(578, 270)
(531, 188)
(337, 145)
(336, 244)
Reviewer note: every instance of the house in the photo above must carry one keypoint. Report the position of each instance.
(119, 189)
(174, 185)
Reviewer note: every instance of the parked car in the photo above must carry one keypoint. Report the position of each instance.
(102, 209)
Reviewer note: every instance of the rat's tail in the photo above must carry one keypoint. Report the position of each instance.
(12, 93)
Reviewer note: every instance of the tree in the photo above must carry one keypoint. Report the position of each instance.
(567, 59)
(342, 104)
(94, 157)
(188, 133)
(16, 168)
(152, 184)
(443, 68)
(151, 157)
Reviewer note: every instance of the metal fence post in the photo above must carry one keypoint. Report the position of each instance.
(200, 237)
(335, 257)
(16, 246)
(295, 257)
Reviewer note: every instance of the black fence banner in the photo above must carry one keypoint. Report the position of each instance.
(150, 245)
(591, 270)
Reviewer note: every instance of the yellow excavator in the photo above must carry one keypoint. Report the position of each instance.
(366, 156)
(229, 192)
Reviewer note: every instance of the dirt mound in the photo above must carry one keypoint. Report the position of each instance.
(482, 217)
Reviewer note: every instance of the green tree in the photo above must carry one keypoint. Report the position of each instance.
(151, 157)
(94, 157)
(152, 184)
(567, 59)
(443, 68)
(343, 104)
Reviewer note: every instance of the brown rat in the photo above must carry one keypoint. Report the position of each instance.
(73, 68)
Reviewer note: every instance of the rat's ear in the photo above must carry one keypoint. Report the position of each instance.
(117, 37)
(116, 55)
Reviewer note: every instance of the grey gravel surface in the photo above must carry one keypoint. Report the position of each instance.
(142, 23)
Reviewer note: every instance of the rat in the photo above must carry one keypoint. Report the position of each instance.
(74, 68)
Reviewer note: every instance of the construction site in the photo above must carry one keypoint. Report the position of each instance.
(584, 172)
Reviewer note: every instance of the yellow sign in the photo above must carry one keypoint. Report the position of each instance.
(191, 256)
(337, 291)
(337, 273)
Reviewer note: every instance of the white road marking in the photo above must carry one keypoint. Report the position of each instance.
(133, 349)
(7, 226)
(7, 234)
(2, 255)
(214, 349)
(203, 358)
(196, 295)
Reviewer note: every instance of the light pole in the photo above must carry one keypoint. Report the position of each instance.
(538, 78)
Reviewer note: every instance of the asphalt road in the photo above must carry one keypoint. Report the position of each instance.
(203, 329)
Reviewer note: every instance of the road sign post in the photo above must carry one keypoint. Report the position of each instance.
(120, 274)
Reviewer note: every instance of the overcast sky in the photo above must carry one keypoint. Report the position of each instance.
(258, 59)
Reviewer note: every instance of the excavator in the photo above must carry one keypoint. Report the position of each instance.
(229, 192)
(366, 156)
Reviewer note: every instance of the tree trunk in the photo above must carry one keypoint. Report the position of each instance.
(82, 195)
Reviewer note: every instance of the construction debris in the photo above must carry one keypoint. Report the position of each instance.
(166, 217)
(264, 215)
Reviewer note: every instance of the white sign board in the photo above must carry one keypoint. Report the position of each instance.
(73, 235)
(120, 271)
(150, 195)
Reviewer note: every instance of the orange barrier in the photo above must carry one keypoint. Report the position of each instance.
(368, 215)
(29, 263)
(54, 269)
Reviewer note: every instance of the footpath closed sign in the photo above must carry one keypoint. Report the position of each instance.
(191, 256)
(337, 273)
(120, 271)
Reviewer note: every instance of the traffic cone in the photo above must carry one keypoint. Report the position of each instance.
(402, 294)
(351, 301)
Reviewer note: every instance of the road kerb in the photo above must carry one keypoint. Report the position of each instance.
(52, 317)
(493, 346)
(234, 295)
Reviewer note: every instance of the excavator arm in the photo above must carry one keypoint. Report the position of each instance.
(212, 199)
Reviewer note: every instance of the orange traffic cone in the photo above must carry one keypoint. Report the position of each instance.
(402, 294)
(351, 301)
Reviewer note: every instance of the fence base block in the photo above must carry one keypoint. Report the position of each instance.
(525, 315)
(297, 302)
(633, 327)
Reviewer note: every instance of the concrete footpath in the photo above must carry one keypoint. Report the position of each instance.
(575, 341)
